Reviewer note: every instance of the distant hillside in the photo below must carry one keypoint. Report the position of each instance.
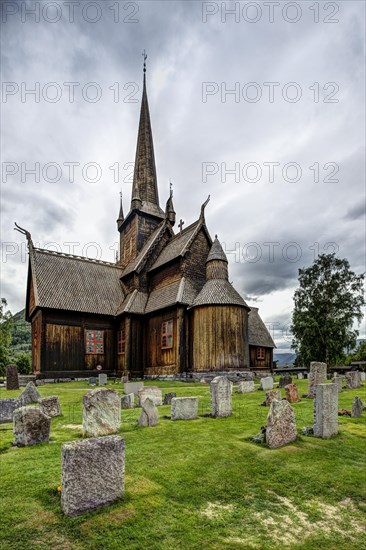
(284, 358)
(22, 334)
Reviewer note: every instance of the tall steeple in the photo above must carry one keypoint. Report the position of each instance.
(145, 188)
(120, 215)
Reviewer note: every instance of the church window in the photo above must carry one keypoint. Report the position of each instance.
(260, 353)
(122, 340)
(167, 334)
(94, 341)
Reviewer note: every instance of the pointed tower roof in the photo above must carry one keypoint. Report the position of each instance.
(145, 195)
(169, 208)
(216, 252)
(120, 215)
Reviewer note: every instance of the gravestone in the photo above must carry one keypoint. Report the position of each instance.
(101, 412)
(92, 381)
(128, 401)
(133, 387)
(149, 414)
(30, 426)
(50, 406)
(184, 408)
(317, 375)
(246, 386)
(271, 395)
(300, 376)
(124, 379)
(168, 398)
(92, 473)
(326, 410)
(152, 392)
(285, 380)
(102, 379)
(338, 381)
(266, 383)
(357, 407)
(7, 407)
(29, 395)
(12, 380)
(221, 397)
(281, 425)
(353, 380)
(363, 376)
(292, 393)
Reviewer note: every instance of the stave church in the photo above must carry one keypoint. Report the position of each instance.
(165, 308)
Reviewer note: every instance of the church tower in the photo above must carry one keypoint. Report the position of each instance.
(145, 213)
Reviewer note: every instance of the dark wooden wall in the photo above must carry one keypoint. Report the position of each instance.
(257, 364)
(218, 338)
(162, 361)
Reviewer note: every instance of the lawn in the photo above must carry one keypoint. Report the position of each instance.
(199, 484)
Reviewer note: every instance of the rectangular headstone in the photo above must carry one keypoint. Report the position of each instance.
(326, 410)
(92, 473)
(133, 387)
(101, 412)
(363, 376)
(281, 425)
(92, 381)
(300, 376)
(317, 375)
(353, 380)
(153, 392)
(246, 386)
(50, 406)
(12, 380)
(266, 383)
(128, 401)
(184, 408)
(30, 426)
(7, 407)
(221, 397)
(292, 393)
(284, 380)
(102, 379)
(338, 380)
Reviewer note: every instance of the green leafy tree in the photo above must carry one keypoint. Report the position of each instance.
(23, 361)
(327, 303)
(6, 334)
(359, 353)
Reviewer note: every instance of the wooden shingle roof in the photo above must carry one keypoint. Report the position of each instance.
(257, 331)
(134, 302)
(139, 261)
(218, 292)
(64, 281)
(179, 292)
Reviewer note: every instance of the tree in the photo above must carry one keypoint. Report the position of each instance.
(327, 303)
(6, 334)
(359, 354)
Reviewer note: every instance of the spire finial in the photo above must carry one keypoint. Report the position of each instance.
(144, 55)
(170, 188)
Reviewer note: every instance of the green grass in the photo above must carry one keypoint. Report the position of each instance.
(198, 484)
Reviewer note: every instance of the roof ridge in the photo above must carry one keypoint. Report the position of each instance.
(75, 257)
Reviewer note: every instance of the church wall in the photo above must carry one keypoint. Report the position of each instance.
(158, 360)
(36, 341)
(258, 364)
(128, 239)
(63, 342)
(218, 338)
(167, 274)
(193, 265)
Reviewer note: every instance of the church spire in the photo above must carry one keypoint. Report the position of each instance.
(169, 209)
(145, 188)
(120, 215)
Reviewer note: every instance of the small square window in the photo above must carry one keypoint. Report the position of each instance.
(94, 341)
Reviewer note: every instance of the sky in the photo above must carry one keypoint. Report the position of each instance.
(258, 104)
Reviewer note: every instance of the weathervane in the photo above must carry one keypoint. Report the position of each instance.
(170, 187)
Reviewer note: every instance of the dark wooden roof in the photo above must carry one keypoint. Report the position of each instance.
(219, 292)
(138, 262)
(134, 302)
(179, 292)
(216, 252)
(73, 283)
(178, 245)
(257, 331)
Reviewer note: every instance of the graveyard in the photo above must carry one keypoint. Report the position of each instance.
(191, 480)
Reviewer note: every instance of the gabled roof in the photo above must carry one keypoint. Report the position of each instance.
(73, 283)
(179, 292)
(138, 262)
(133, 303)
(219, 292)
(179, 244)
(257, 331)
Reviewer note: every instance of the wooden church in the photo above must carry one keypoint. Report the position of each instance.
(166, 307)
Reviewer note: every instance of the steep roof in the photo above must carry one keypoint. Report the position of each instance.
(257, 331)
(178, 245)
(73, 283)
(216, 252)
(181, 291)
(134, 302)
(138, 262)
(218, 292)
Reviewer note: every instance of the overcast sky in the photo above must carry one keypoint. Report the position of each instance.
(262, 108)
